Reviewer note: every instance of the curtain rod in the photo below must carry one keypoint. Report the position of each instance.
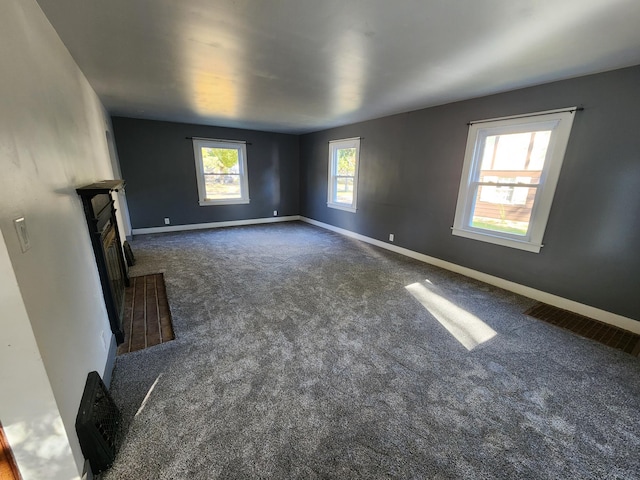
(550, 112)
(218, 140)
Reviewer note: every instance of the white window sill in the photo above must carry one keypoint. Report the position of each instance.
(498, 240)
(231, 201)
(342, 206)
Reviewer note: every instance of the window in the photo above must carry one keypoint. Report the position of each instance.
(221, 167)
(343, 174)
(511, 168)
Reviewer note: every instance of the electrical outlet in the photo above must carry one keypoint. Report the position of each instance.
(23, 235)
(167, 221)
(275, 213)
(391, 237)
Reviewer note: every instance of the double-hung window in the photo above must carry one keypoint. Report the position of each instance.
(221, 167)
(510, 172)
(343, 174)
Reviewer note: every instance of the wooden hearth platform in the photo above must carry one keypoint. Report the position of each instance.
(147, 318)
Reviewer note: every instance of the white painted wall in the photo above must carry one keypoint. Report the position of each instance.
(52, 140)
(27, 406)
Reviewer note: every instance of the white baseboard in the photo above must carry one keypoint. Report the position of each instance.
(203, 226)
(545, 297)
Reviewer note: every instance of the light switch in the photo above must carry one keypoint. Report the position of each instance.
(23, 235)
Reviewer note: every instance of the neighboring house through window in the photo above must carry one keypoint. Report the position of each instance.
(343, 174)
(221, 167)
(511, 168)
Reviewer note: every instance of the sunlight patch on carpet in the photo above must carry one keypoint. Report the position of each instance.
(146, 397)
(468, 329)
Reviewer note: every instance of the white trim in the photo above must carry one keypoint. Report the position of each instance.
(525, 115)
(498, 240)
(241, 148)
(233, 201)
(559, 122)
(334, 146)
(342, 206)
(345, 140)
(203, 226)
(545, 297)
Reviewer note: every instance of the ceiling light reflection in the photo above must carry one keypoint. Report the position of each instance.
(349, 73)
(529, 41)
(212, 57)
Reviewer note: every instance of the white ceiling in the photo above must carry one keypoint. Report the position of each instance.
(303, 65)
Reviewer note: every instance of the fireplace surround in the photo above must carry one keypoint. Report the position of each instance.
(100, 213)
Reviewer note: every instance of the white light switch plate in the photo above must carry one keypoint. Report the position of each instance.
(23, 235)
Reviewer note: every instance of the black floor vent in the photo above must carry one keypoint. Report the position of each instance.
(97, 424)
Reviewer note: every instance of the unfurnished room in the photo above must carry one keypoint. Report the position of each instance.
(334, 239)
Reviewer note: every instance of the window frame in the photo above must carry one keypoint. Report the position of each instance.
(560, 122)
(334, 146)
(241, 148)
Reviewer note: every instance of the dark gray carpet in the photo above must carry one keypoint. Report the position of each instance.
(299, 353)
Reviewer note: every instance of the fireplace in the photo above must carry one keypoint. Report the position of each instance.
(100, 214)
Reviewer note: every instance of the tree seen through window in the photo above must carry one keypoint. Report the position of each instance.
(222, 172)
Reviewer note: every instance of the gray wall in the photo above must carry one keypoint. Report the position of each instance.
(410, 172)
(159, 169)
